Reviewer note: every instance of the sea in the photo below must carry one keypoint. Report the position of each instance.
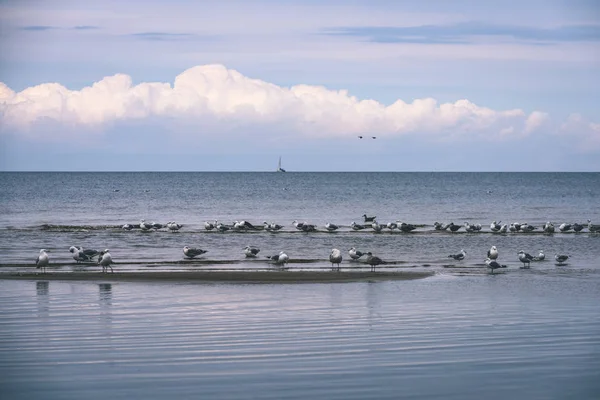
(460, 333)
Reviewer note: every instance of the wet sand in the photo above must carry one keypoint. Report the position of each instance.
(223, 276)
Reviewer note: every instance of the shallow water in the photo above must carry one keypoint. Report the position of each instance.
(461, 334)
(506, 336)
(58, 210)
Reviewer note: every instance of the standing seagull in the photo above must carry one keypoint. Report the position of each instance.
(250, 251)
(561, 258)
(459, 256)
(174, 226)
(525, 258)
(373, 261)
(191, 252)
(355, 254)
(493, 264)
(335, 258)
(105, 260)
(492, 253)
(42, 261)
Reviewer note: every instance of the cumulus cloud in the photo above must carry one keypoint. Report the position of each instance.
(217, 93)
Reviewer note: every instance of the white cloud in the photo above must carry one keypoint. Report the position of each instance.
(217, 93)
(535, 120)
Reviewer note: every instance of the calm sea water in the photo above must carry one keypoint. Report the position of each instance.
(462, 333)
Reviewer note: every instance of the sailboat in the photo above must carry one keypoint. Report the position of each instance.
(279, 169)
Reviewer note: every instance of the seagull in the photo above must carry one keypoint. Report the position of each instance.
(145, 226)
(105, 260)
(495, 226)
(127, 227)
(376, 227)
(373, 137)
(459, 256)
(250, 251)
(513, 227)
(593, 228)
(561, 258)
(331, 227)
(209, 226)
(298, 225)
(391, 226)
(360, 137)
(355, 254)
(275, 227)
(82, 255)
(279, 259)
(578, 227)
(493, 264)
(540, 257)
(335, 258)
(406, 228)
(357, 227)
(238, 225)
(174, 226)
(369, 219)
(469, 228)
(373, 261)
(221, 227)
(564, 227)
(156, 225)
(308, 227)
(527, 228)
(504, 228)
(492, 253)
(453, 228)
(438, 226)
(525, 258)
(191, 252)
(548, 227)
(42, 260)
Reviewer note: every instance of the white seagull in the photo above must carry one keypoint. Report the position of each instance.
(279, 259)
(355, 254)
(105, 260)
(540, 257)
(82, 255)
(251, 251)
(42, 260)
(335, 258)
(492, 253)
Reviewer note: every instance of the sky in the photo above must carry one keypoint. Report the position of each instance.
(177, 85)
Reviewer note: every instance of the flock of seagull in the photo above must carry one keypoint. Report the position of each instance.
(370, 222)
(104, 258)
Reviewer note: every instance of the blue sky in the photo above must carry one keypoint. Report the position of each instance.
(232, 85)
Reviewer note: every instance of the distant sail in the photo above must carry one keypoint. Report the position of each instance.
(279, 169)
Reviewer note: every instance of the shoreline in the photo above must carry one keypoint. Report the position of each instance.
(223, 276)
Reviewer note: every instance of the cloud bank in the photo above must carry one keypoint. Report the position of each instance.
(213, 92)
